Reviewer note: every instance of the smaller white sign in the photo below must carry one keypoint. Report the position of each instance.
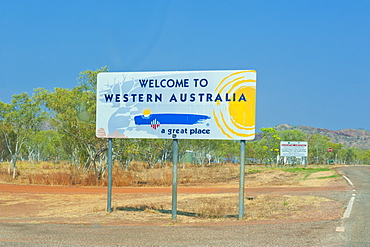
(294, 149)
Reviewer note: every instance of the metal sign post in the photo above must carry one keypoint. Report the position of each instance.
(110, 164)
(174, 178)
(241, 181)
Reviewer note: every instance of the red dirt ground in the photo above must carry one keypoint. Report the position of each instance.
(87, 205)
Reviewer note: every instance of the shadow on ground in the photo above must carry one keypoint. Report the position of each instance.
(165, 211)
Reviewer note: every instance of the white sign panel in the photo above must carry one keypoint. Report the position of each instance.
(182, 105)
(296, 149)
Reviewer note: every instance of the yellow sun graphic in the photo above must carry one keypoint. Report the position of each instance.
(147, 112)
(241, 114)
(236, 116)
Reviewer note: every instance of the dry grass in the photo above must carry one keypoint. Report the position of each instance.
(212, 206)
(225, 206)
(267, 207)
(139, 174)
(155, 207)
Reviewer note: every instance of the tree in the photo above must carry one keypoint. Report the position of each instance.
(366, 157)
(150, 150)
(292, 135)
(350, 156)
(337, 152)
(3, 150)
(272, 143)
(73, 115)
(258, 150)
(318, 149)
(18, 121)
(227, 148)
(45, 145)
(126, 150)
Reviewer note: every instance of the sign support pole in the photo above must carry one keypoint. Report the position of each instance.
(305, 161)
(174, 178)
(241, 181)
(110, 164)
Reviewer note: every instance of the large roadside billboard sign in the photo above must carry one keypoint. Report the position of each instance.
(182, 105)
(293, 149)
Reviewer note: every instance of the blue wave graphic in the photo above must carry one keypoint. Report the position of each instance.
(171, 118)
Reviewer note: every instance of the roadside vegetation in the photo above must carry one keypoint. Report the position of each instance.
(54, 130)
(141, 175)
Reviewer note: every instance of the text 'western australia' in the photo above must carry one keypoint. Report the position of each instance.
(174, 85)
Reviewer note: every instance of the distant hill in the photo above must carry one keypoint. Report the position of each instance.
(348, 137)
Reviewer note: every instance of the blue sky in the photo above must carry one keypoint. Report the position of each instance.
(312, 57)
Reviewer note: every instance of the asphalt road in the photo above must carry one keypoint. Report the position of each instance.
(353, 230)
(356, 227)
(321, 233)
